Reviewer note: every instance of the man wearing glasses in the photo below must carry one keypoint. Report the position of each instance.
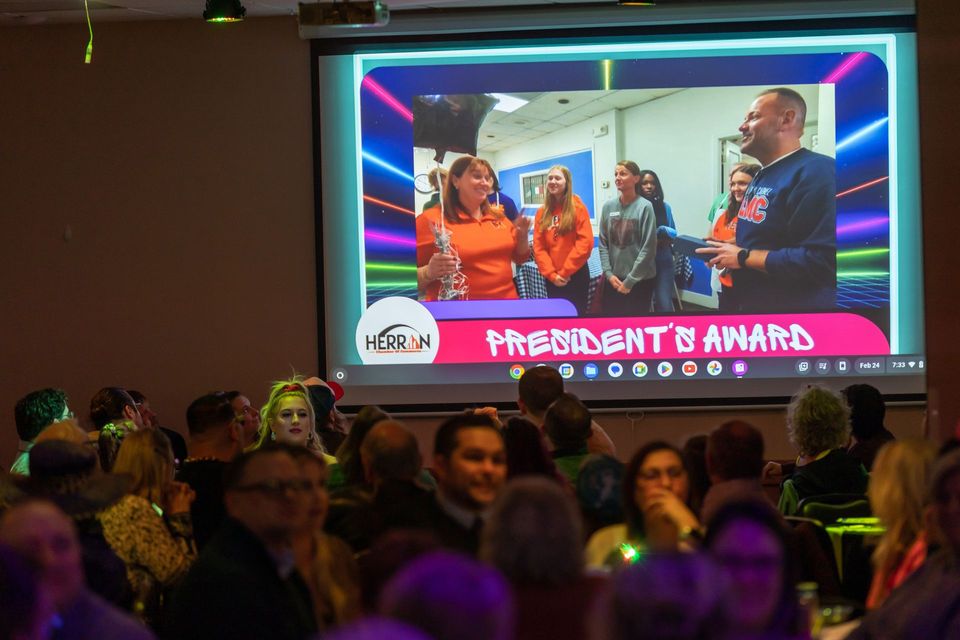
(244, 584)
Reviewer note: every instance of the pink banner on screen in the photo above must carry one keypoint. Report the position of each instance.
(827, 334)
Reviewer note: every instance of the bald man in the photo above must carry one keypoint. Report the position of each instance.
(785, 254)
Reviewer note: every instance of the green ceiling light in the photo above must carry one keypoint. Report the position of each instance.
(224, 11)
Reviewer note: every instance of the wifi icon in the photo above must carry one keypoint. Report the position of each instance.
(912, 363)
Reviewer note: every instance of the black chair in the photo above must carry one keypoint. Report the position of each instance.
(851, 552)
(815, 558)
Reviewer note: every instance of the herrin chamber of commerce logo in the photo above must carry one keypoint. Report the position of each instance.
(397, 331)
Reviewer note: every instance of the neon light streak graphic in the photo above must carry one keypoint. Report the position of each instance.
(607, 73)
(854, 254)
(385, 266)
(844, 68)
(371, 85)
(862, 225)
(404, 285)
(863, 186)
(386, 165)
(389, 238)
(863, 274)
(384, 203)
(862, 133)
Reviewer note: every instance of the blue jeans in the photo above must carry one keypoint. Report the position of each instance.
(663, 284)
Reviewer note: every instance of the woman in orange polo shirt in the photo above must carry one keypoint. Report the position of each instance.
(481, 240)
(725, 227)
(563, 240)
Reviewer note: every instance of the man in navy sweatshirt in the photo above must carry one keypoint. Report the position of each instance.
(785, 255)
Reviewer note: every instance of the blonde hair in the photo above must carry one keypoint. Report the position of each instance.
(146, 456)
(897, 492)
(568, 213)
(283, 389)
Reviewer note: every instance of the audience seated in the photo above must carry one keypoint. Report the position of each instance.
(867, 411)
(694, 452)
(734, 461)
(927, 604)
(567, 425)
(655, 494)
(68, 430)
(325, 562)
(32, 414)
(150, 528)
(527, 450)
(377, 628)
(392, 495)
(273, 564)
(471, 467)
(26, 612)
(391, 552)
(538, 388)
(288, 417)
(749, 542)
(669, 595)
(818, 426)
(898, 497)
(66, 473)
(41, 532)
(151, 421)
(450, 597)
(599, 490)
(216, 437)
(245, 583)
(247, 416)
(114, 413)
(330, 423)
(533, 536)
(348, 469)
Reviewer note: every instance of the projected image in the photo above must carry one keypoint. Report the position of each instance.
(646, 212)
(824, 239)
(543, 149)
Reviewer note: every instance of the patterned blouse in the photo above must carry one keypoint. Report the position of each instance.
(158, 550)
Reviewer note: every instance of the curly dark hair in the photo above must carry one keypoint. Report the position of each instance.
(36, 410)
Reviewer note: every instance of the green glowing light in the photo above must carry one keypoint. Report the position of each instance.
(607, 73)
(861, 253)
(379, 266)
(225, 19)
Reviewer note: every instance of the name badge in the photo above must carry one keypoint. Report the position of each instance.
(614, 214)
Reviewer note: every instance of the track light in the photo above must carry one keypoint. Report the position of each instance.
(224, 11)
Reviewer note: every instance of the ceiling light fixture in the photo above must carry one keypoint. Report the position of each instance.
(634, 3)
(224, 11)
(508, 103)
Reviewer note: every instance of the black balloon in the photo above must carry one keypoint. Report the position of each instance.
(449, 123)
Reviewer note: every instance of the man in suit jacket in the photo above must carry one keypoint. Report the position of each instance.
(245, 584)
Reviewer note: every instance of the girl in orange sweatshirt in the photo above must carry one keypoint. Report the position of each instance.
(563, 240)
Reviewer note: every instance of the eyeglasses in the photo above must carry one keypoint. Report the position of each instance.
(653, 474)
(276, 487)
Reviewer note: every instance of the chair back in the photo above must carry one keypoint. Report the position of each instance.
(830, 507)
